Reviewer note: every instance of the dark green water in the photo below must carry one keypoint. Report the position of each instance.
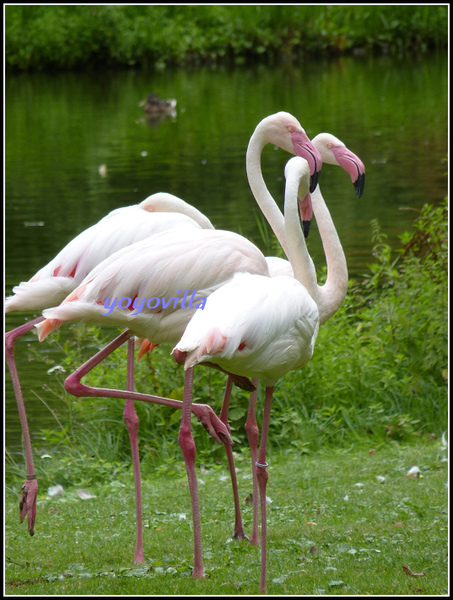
(61, 128)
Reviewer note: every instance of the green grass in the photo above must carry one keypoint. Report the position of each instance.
(340, 522)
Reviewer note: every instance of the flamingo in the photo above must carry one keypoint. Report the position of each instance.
(330, 295)
(258, 327)
(62, 274)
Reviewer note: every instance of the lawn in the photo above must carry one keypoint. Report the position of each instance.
(348, 522)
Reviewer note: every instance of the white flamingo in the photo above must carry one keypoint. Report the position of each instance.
(65, 272)
(258, 327)
(120, 228)
(331, 294)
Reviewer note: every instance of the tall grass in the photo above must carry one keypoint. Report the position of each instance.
(66, 37)
(379, 373)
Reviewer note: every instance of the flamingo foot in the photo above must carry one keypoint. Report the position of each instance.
(198, 573)
(27, 504)
(212, 423)
(239, 534)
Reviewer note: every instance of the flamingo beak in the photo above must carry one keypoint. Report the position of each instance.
(303, 147)
(306, 213)
(353, 165)
(359, 185)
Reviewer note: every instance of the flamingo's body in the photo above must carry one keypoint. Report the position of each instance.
(228, 335)
(263, 327)
(255, 326)
(161, 267)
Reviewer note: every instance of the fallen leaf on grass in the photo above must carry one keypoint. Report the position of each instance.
(414, 472)
(84, 495)
(249, 499)
(336, 583)
(409, 572)
(55, 491)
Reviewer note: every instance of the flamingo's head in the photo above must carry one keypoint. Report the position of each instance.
(334, 152)
(285, 131)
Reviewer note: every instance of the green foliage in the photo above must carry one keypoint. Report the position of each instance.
(66, 37)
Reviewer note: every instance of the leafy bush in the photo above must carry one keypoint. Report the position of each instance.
(66, 37)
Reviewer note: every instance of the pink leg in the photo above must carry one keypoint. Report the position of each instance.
(187, 444)
(238, 532)
(263, 476)
(253, 433)
(27, 503)
(132, 422)
(203, 412)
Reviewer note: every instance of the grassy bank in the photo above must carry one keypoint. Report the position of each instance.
(67, 37)
(346, 522)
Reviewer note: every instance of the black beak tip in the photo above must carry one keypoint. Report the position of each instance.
(359, 185)
(306, 228)
(314, 181)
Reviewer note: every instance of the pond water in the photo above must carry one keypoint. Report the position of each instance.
(77, 146)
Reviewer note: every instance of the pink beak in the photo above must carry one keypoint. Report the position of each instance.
(306, 213)
(352, 165)
(304, 148)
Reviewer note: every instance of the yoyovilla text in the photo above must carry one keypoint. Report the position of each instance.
(155, 304)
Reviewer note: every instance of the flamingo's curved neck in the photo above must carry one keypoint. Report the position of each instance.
(333, 292)
(257, 184)
(303, 267)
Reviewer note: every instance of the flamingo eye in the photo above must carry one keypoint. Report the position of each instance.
(329, 146)
(290, 128)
